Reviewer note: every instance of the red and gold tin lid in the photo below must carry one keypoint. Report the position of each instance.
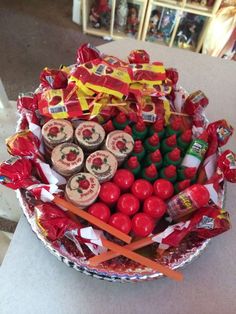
(120, 144)
(102, 164)
(67, 158)
(82, 189)
(55, 132)
(89, 135)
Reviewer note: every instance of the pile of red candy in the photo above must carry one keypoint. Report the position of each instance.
(161, 159)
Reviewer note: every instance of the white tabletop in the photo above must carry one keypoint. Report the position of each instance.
(34, 281)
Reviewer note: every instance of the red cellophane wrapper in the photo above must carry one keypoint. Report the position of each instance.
(53, 222)
(27, 101)
(227, 164)
(15, 173)
(173, 75)
(219, 133)
(138, 56)
(53, 78)
(207, 222)
(195, 103)
(87, 52)
(24, 143)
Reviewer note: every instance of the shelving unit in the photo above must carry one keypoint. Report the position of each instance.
(113, 32)
(182, 9)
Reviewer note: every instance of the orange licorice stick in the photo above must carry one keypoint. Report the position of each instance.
(142, 260)
(93, 220)
(97, 259)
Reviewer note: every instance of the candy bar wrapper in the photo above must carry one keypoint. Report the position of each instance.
(102, 77)
(24, 144)
(114, 61)
(152, 74)
(219, 133)
(207, 222)
(63, 103)
(54, 224)
(16, 173)
(53, 78)
(86, 53)
(173, 75)
(138, 56)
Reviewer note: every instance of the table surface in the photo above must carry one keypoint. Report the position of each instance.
(34, 281)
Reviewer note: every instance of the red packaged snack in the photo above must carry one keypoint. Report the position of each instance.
(27, 101)
(55, 225)
(87, 52)
(227, 165)
(207, 222)
(195, 103)
(173, 75)
(102, 77)
(24, 143)
(15, 173)
(138, 56)
(219, 133)
(114, 61)
(53, 78)
(63, 103)
(153, 73)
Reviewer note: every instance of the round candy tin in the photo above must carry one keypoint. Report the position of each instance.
(67, 158)
(89, 135)
(120, 144)
(55, 132)
(82, 189)
(102, 164)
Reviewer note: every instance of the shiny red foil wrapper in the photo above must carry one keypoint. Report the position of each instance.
(53, 222)
(53, 78)
(195, 103)
(27, 101)
(24, 143)
(87, 52)
(173, 75)
(138, 56)
(227, 164)
(15, 173)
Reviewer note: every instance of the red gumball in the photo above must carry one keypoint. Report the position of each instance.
(155, 207)
(142, 225)
(142, 189)
(128, 204)
(109, 193)
(123, 179)
(100, 210)
(121, 222)
(163, 189)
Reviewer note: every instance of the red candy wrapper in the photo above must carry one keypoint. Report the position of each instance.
(207, 222)
(219, 133)
(138, 56)
(102, 77)
(63, 103)
(195, 103)
(15, 173)
(27, 101)
(152, 73)
(87, 52)
(52, 78)
(173, 75)
(24, 143)
(227, 165)
(54, 224)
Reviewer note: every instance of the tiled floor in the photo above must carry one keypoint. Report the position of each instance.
(34, 34)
